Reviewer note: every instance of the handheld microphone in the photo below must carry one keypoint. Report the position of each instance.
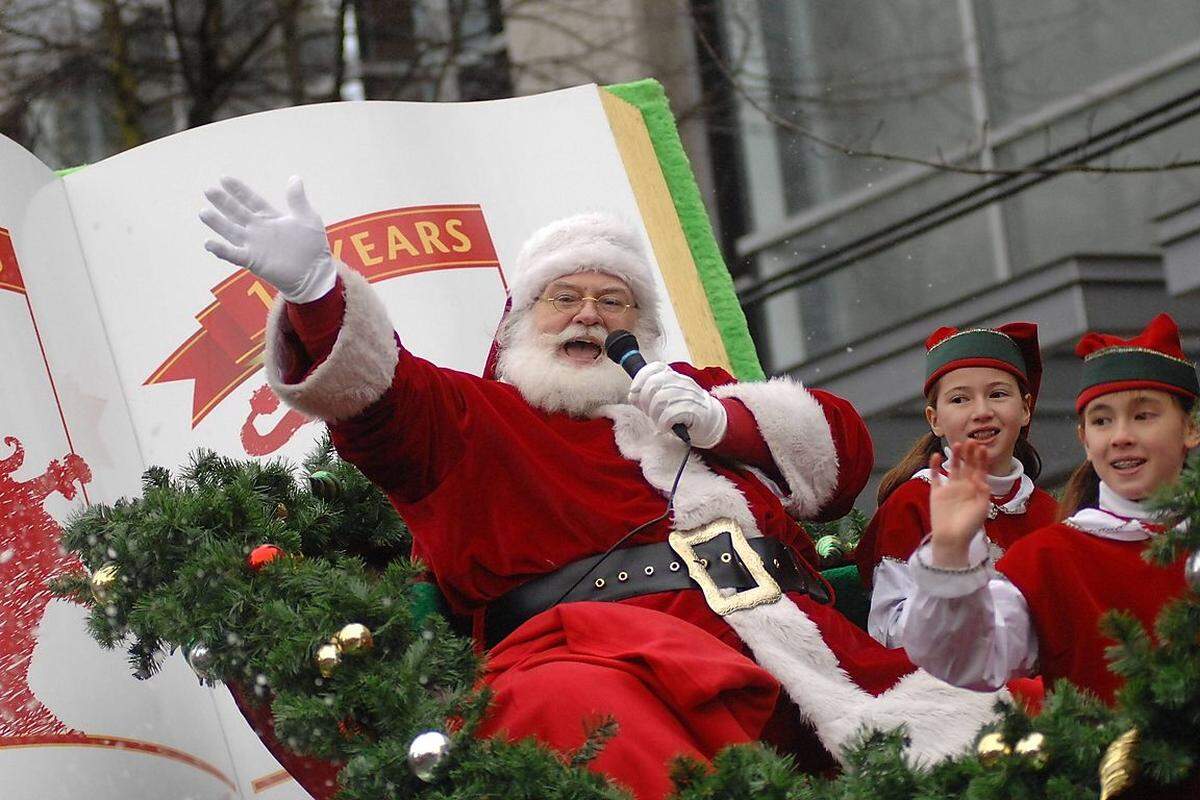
(622, 347)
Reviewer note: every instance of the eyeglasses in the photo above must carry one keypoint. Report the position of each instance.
(571, 302)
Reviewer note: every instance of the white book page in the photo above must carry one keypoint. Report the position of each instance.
(431, 201)
(503, 168)
(73, 722)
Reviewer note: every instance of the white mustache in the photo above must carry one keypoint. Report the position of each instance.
(595, 333)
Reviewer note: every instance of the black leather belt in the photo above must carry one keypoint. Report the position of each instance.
(646, 569)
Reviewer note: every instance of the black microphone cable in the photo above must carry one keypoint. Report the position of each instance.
(670, 509)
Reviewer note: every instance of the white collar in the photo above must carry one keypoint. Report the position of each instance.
(1116, 518)
(1111, 501)
(998, 486)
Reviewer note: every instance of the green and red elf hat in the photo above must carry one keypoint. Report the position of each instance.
(1012, 348)
(1154, 359)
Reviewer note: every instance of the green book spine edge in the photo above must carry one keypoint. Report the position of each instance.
(651, 99)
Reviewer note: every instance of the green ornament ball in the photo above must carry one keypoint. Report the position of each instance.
(325, 485)
(830, 547)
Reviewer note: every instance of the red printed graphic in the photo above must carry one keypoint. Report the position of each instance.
(227, 349)
(10, 274)
(262, 403)
(30, 555)
(121, 743)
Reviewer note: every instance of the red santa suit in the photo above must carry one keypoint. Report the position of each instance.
(497, 492)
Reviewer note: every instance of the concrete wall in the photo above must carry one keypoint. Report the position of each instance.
(1118, 294)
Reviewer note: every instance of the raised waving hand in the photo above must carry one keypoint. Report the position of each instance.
(288, 250)
(958, 504)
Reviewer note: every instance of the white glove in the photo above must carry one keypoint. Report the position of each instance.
(289, 251)
(667, 398)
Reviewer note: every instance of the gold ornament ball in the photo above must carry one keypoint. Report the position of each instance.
(281, 512)
(354, 638)
(1033, 748)
(329, 658)
(1119, 766)
(992, 748)
(103, 581)
(428, 752)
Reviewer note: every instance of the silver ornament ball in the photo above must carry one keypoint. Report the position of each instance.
(1191, 571)
(200, 659)
(427, 752)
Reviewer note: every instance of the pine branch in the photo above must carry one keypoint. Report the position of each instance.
(598, 734)
(181, 551)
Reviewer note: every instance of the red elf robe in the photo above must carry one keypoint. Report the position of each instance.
(902, 522)
(1070, 578)
(1041, 613)
(1018, 507)
(497, 492)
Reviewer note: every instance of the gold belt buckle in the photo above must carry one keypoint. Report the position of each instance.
(765, 592)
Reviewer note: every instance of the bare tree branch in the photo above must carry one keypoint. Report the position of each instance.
(860, 152)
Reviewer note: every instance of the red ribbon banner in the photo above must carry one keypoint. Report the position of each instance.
(228, 347)
(10, 273)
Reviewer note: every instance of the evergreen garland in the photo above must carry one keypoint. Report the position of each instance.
(183, 580)
(181, 551)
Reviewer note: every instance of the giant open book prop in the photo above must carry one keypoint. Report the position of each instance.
(126, 345)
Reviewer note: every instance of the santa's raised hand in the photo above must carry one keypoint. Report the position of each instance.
(958, 504)
(288, 250)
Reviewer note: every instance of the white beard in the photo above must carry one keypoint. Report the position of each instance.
(530, 361)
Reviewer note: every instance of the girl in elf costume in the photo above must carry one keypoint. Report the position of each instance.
(981, 385)
(1041, 613)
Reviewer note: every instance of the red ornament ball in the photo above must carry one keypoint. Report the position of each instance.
(263, 555)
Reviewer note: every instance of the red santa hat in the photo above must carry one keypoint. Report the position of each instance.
(1154, 359)
(593, 242)
(1012, 348)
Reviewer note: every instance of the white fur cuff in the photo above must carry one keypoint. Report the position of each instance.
(797, 434)
(358, 370)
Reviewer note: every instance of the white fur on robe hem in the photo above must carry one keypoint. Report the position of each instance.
(794, 427)
(940, 720)
(358, 370)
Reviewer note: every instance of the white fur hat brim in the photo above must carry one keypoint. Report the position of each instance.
(592, 242)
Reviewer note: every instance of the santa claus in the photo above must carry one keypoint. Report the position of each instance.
(538, 497)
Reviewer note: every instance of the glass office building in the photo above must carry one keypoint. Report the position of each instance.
(845, 262)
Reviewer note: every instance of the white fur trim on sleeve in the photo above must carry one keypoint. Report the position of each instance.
(797, 434)
(940, 720)
(358, 370)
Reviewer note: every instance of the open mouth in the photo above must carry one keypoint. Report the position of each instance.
(582, 351)
(984, 435)
(1126, 466)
